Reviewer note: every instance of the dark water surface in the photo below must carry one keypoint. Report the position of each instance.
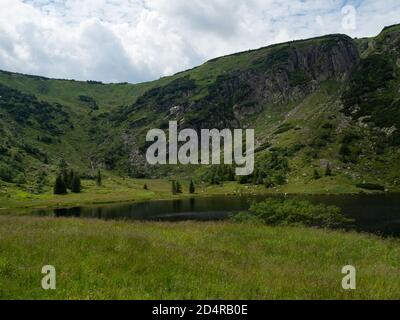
(372, 213)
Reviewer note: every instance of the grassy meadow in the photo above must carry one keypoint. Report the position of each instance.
(121, 260)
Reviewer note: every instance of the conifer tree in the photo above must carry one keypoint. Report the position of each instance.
(231, 174)
(98, 178)
(173, 187)
(76, 184)
(178, 187)
(191, 187)
(63, 167)
(59, 185)
(328, 171)
(69, 178)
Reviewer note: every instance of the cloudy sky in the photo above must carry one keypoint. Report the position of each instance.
(140, 40)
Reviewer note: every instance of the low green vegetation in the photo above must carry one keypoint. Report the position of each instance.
(371, 186)
(373, 94)
(294, 213)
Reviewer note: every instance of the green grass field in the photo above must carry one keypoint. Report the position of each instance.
(121, 260)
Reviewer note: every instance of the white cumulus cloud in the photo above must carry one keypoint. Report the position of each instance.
(140, 40)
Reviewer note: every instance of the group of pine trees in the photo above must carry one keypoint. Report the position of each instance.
(176, 187)
(67, 179)
(270, 170)
(220, 173)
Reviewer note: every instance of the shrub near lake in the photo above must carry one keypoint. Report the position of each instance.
(295, 213)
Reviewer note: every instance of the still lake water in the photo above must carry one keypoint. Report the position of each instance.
(372, 213)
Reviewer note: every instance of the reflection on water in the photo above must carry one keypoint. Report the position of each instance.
(372, 213)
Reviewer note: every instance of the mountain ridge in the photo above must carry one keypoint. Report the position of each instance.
(179, 72)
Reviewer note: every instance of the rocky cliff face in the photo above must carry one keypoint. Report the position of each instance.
(274, 75)
(283, 74)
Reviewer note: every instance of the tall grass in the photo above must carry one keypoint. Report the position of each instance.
(121, 260)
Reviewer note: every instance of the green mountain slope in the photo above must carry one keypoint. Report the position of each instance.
(323, 106)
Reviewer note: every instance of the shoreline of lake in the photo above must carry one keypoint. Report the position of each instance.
(69, 205)
(377, 213)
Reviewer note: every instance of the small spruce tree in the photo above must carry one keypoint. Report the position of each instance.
(328, 171)
(212, 179)
(59, 185)
(316, 175)
(63, 167)
(69, 178)
(231, 174)
(98, 178)
(178, 187)
(173, 187)
(145, 187)
(191, 187)
(76, 184)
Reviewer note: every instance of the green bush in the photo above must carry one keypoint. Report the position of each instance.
(316, 175)
(372, 94)
(271, 168)
(279, 179)
(89, 101)
(295, 212)
(220, 173)
(370, 186)
(6, 173)
(284, 128)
